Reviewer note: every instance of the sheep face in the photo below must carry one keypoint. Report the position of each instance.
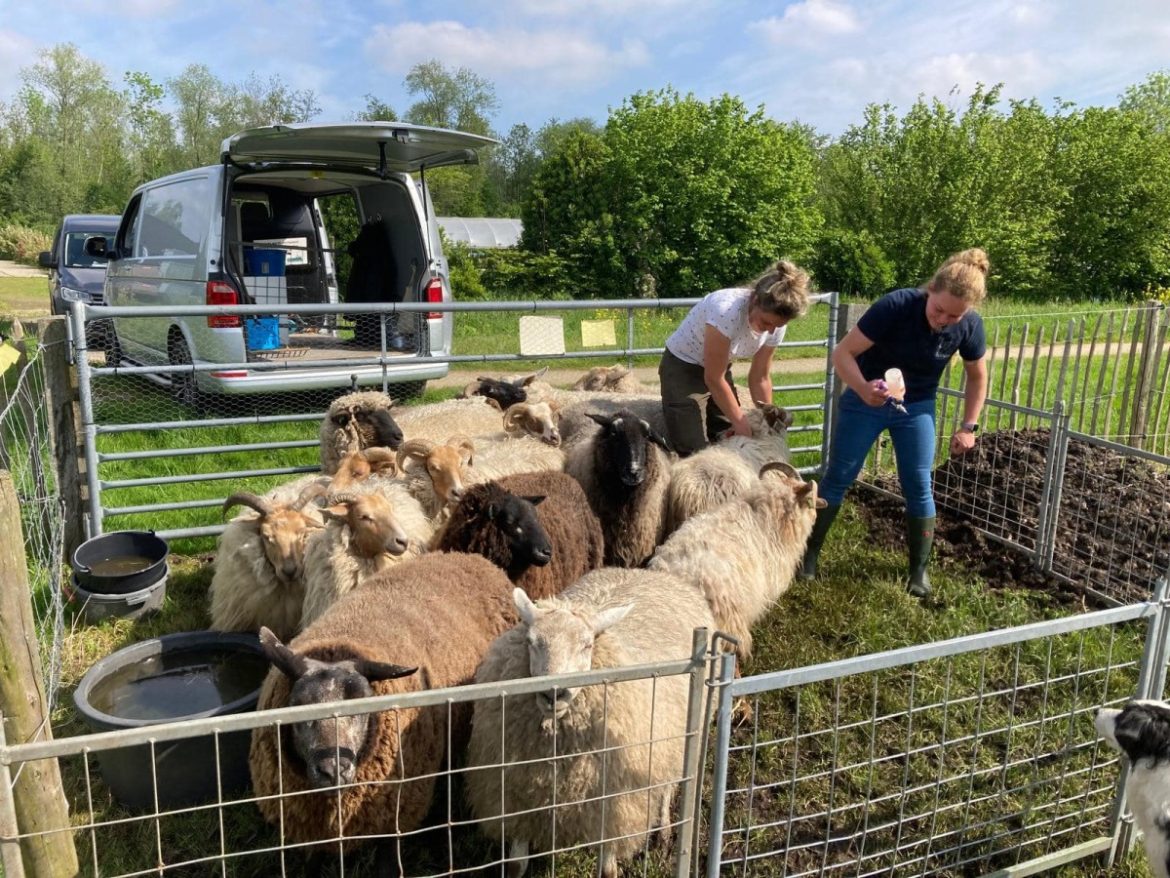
(445, 464)
(359, 465)
(601, 378)
(283, 534)
(330, 748)
(533, 419)
(560, 641)
(623, 442)
(372, 525)
(374, 427)
(514, 519)
(504, 393)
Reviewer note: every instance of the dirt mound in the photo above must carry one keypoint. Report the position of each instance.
(1113, 525)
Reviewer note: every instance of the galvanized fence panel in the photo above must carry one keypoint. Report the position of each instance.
(154, 423)
(26, 452)
(225, 834)
(961, 756)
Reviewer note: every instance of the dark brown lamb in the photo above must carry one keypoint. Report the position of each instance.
(494, 519)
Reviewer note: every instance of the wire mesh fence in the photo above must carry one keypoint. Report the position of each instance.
(958, 757)
(26, 453)
(197, 798)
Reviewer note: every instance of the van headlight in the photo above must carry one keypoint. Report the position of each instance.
(70, 295)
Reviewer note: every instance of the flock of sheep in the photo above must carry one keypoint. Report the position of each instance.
(520, 531)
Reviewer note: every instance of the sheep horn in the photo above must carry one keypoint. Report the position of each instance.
(471, 389)
(494, 403)
(246, 498)
(414, 449)
(379, 454)
(311, 492)
(780, 466)
(514, 417)
(345, 497)
(525, 381)
(463, 443)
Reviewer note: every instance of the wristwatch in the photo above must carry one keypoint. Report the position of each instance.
(970, 428)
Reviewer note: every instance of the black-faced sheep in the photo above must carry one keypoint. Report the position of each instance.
(743, 554)
(505, 391)
(438, 613)
(537, 526)
(624, 468)
(355, 421)
(367, 530)
(618, 747)
(260, 563)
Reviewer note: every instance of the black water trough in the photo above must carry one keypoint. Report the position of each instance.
(120, 562)
(175, 677)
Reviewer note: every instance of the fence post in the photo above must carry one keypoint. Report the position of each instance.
(63, 426)
(88, 424)
(842, 319)
(1048, 516)
(719, 784)
(1145, 376)
(692, 767)
(40, 804)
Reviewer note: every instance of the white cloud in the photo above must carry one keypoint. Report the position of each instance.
(809, 20)
(561, 57)
(606, 8)
(16, 51)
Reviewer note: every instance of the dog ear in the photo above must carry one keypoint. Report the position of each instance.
(1143, 732)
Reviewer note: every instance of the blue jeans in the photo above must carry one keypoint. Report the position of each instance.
(858, 427)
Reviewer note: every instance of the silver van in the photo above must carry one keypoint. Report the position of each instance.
(261, 227)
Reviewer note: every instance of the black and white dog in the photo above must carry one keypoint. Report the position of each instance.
(1141, 730)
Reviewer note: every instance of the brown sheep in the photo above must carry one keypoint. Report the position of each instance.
(438, 613)
(537, 526)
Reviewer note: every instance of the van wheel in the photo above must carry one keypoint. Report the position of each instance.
(405, 390)
(183, 387)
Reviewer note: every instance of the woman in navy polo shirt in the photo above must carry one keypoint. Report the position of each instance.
(916, 331)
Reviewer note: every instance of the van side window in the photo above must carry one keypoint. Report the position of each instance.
(174, 219)
(128, 234)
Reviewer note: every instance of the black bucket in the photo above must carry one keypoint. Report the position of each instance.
(175, 677)
(120, 562)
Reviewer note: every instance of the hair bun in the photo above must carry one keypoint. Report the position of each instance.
(976, 257)
(785, 270)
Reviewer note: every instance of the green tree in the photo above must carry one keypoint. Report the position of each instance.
(1150, 100)
(377, 110)
(151, 130)
(677, 198)
(200, 97)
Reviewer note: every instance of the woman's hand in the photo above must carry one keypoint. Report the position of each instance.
(875, 393)
(740, 427)
(962, 442)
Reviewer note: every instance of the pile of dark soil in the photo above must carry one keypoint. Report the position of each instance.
(1113, 531)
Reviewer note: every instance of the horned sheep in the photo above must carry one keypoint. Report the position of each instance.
(744, 554)
(618, 747)
(260, 562)
(613, 379)
(537, 526)
(624, 468)
(366, 531)
(375, 773)
(356, 421)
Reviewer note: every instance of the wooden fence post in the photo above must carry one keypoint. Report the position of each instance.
(40, 799)
(1145, 376)
(60, 397)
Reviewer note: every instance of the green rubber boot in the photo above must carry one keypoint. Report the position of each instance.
(919, 539)
(808, 565)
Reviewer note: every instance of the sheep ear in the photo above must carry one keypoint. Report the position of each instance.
(600, 420)
(536, 499)
(524, 605)
(375, 671)
(806, 493)
(336, 512)
(524, 382)
(282, 658)
(608, 618)
(657, 438)
(491, 512)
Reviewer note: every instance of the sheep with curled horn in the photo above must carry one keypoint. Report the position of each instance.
(357, 421)
(260, 562)
(743, 555)
(613, 379)
(368, 529)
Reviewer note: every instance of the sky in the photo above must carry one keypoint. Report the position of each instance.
(820, 62)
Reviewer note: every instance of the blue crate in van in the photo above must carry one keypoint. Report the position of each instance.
(264, 261)
(262, 333)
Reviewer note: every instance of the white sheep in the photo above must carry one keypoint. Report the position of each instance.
(367, 530)
(260, 558)
(618, 747)
(729, 468)
(356, 421)
(743, 554)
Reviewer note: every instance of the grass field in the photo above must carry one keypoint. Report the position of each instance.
(856, 608)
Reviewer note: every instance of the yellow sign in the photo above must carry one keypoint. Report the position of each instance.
(8, 357)
(598, 333)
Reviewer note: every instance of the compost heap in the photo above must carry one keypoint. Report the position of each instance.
(1113, 534)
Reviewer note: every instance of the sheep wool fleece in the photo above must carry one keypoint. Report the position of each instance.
(441, 613)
